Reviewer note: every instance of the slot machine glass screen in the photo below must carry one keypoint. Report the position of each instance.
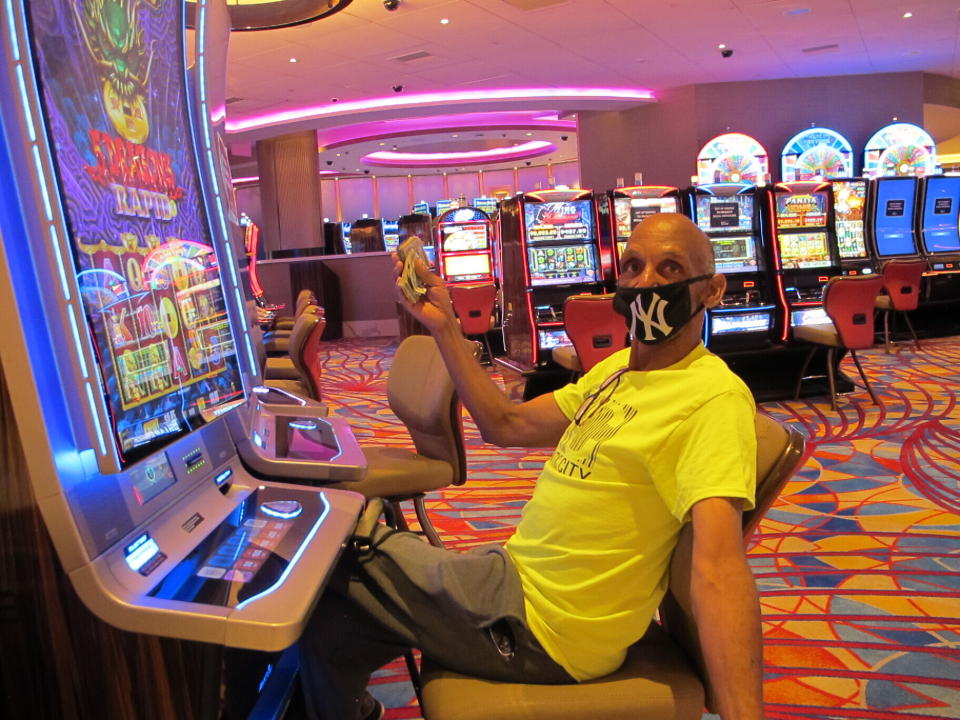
(146, 267)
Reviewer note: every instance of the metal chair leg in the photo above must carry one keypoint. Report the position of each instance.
(886, 330)
(831, 378)
(414, 673)
(486, 342)
(866, 382)
(806, 364)
(425, 524)
(916, 342)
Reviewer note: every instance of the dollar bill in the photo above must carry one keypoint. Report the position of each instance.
(410, 284)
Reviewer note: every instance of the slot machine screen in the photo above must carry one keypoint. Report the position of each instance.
(849, 199)
(940, 208)
(557, 222)
(391, 235)
(801, 210)
(894, 217)
(724, 213)
(467, 236)
(459, 268)
(421, 208)
(146, 267)
(345, 229)
(444, 205)
(804, 250)
(631, 212)
(563, 265)
(735, 253)
(487, 204)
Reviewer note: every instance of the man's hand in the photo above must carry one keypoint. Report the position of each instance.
(434, 310)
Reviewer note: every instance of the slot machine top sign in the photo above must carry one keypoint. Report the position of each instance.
(816, 154)
(733, 157)
(900, 150)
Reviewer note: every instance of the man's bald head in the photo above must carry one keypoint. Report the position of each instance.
(681, 232)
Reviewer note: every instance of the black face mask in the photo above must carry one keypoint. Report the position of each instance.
(657, 313)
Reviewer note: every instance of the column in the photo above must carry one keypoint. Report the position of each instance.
(290, 191)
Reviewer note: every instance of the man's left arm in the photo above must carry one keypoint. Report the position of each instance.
(726, 609)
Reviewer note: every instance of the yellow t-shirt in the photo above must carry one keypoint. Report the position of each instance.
(594, 542)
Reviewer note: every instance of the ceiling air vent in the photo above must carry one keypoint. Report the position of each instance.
(532, 4)
(410, 57)
(821, 49)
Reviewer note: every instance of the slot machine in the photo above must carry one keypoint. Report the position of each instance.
(550, 250)
(127, 352)
(804, 249)
(622, 209)
(443, 205)
(418, 224)
(746, 319)
(486, 204)
(849, 227)
(391, 234)
(366, 235)
(464, 245)
(345, 230)
(937, 229)
(891, 205)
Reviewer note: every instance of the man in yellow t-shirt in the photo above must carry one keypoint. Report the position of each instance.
(657, 435)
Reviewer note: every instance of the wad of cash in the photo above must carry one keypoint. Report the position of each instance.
(410, 284)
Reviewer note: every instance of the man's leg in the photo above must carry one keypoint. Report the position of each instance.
(465, 610)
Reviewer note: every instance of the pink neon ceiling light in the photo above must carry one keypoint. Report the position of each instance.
(437, 98)
(535, 148)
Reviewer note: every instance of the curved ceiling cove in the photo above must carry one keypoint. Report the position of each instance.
(528, 150)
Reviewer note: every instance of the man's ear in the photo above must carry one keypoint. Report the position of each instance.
(717, 287)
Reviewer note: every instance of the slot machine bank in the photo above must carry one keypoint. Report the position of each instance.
(141, 542)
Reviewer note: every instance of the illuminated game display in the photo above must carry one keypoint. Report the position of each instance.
(849, 203)
(486, 204)
(345, 229)
(631, 205)
(941, 203)
(549, 251)
(816, 154)
(728, 214)
(465, 247)
(147, 269)
(805, 249)
(900, 150)
(421, 208)
(391, 234)
(893, 207)
(735, 158)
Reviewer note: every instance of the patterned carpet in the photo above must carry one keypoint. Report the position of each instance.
(858, 562)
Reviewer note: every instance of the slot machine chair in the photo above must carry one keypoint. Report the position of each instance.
(849, 303)
(420, 393)
(595, 329)
(901, 284)
(285, 322)
(663, 677)
(299, 373)
(473, 306)
(277, 342)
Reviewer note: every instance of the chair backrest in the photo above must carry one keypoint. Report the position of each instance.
(901, 280)
(310, 356)
(594, 327)
(780, 451)
(302, 328)
(304, 298)
(849, 302)
(473, 304)
(421, 394)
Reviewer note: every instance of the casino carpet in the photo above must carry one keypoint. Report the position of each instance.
(857, 563)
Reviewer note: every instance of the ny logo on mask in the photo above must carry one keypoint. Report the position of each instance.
(651, 318)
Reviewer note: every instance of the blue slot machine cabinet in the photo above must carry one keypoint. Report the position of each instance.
(746, 319)
(937, 229)
(805, 253)
(126, 346)
(891, 230)
(464, 246)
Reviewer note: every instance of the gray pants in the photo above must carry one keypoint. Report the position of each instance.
(464, 610)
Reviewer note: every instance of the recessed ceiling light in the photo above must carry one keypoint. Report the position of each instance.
(722, 46)
(908, 15)
(529, 134)
(338, 154)
(293, 59)
(382, 144)
(444, 21)
(455, 135)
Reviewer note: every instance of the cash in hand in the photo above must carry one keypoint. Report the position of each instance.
(410, 284)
